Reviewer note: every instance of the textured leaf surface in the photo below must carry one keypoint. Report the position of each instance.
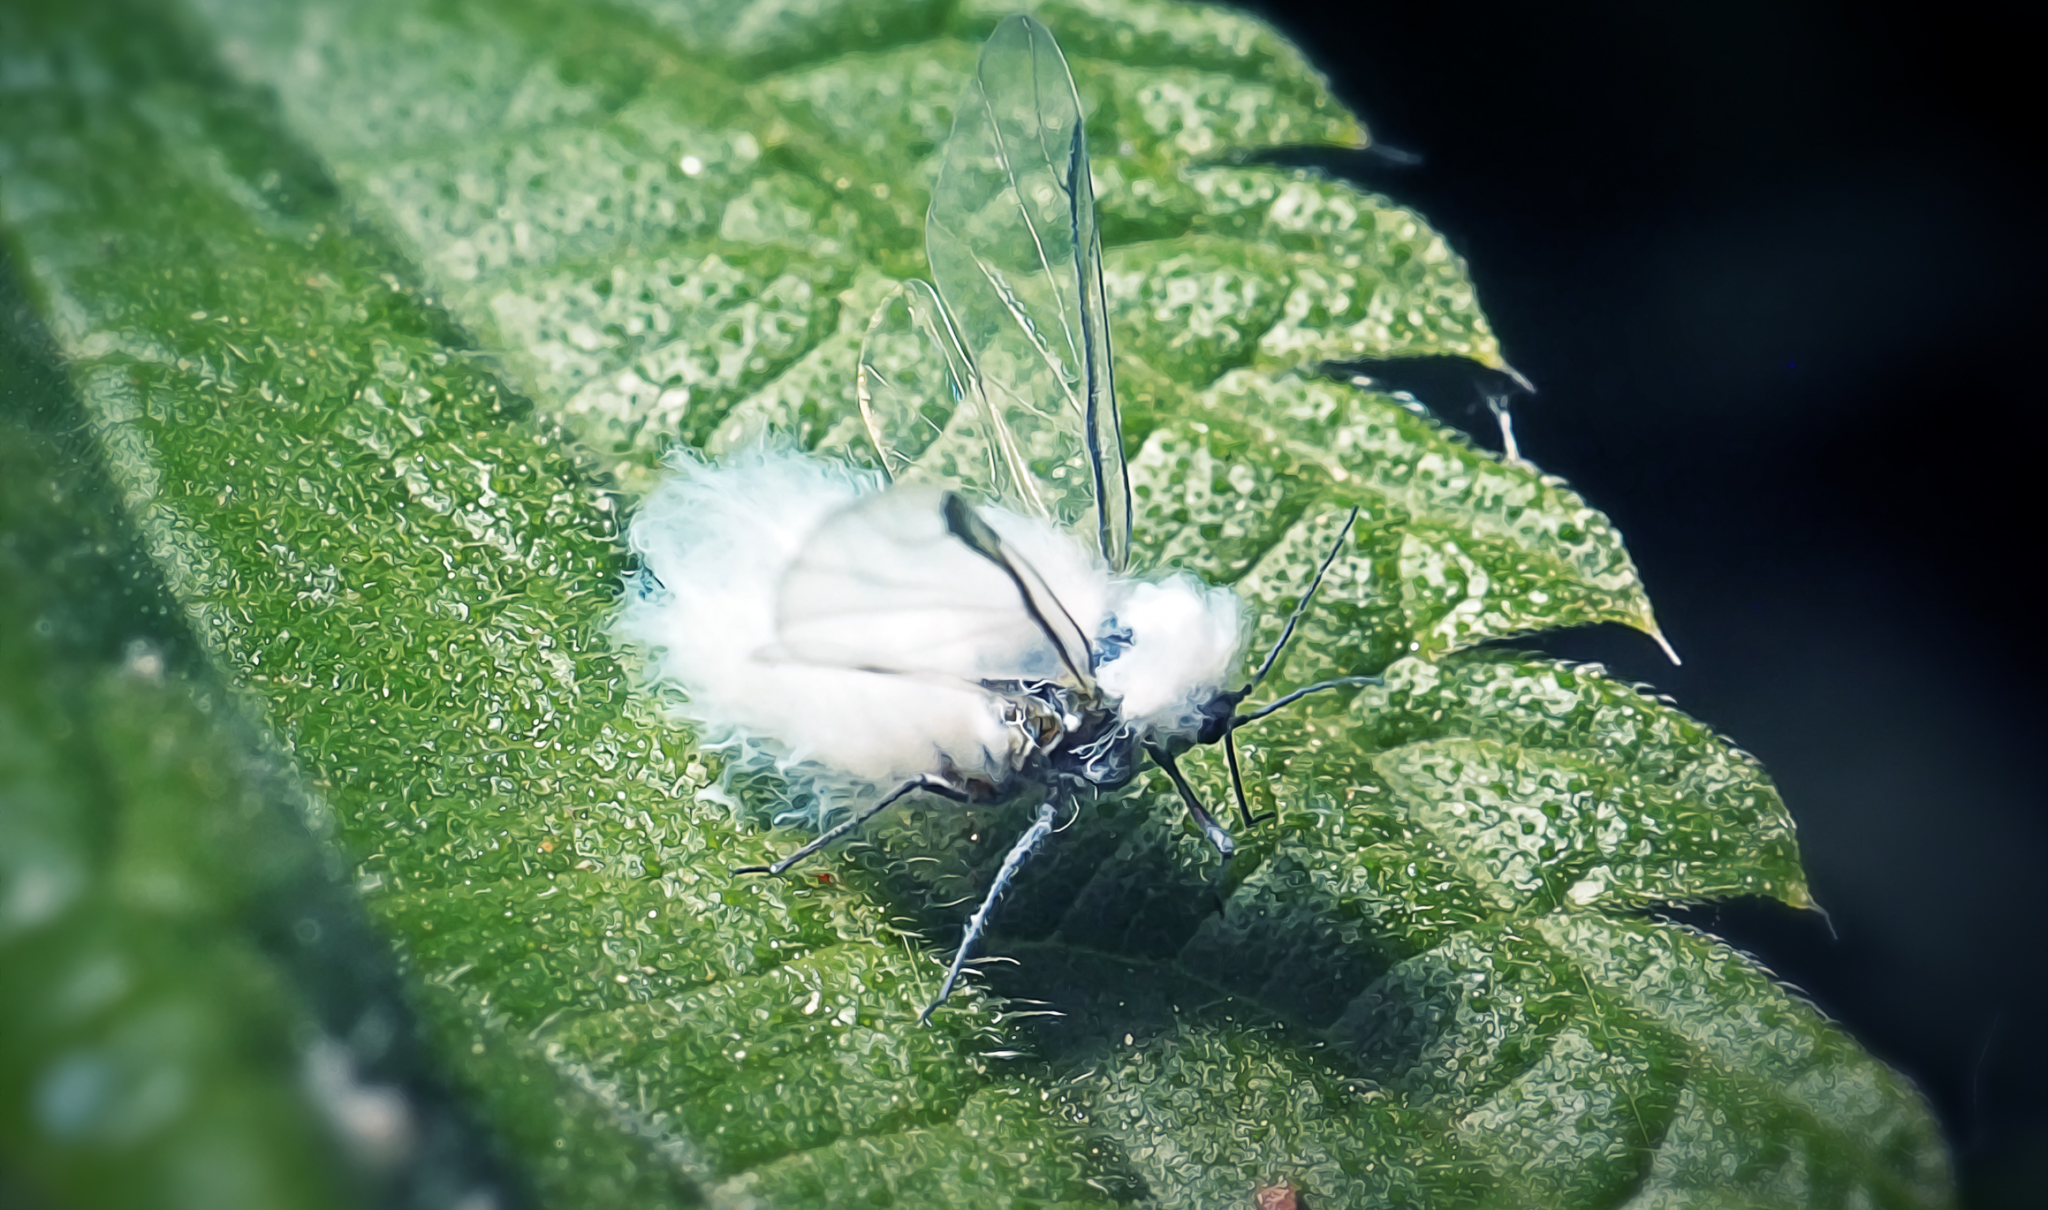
(146, 1038)
(380, 324)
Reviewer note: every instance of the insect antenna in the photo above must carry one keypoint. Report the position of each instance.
(1333, 683)
(1239, 720)
(1293, 619)
(1231, 725)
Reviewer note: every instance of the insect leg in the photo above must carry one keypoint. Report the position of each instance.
(923, 781)
(1244, 809)
(977, 924)
(1336, 548)
(1203, 820)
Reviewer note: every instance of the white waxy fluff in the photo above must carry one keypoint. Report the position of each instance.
(1186, 638)
(811, 614)
(719, 539)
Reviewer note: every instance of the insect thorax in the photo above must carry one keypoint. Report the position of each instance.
(1069, 734)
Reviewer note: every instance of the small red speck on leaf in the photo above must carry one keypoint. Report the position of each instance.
(825, 880)
(1283, 1196)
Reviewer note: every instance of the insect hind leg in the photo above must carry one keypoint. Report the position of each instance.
(923, 781)
(977, 924)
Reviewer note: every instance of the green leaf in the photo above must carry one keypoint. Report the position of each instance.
(381, 314)
(149, 1039)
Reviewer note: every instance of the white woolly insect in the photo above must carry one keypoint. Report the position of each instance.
(937, 627)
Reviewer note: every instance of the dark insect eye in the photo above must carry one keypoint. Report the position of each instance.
(1216, 715)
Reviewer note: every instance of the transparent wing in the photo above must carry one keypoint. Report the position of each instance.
(913, 581)
(924, 407)
(1016, 256)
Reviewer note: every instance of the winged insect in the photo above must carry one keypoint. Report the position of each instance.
(963, 624)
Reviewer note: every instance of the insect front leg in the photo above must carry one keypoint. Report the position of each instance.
(923, 781)
(1225, 847)
(1244, 810)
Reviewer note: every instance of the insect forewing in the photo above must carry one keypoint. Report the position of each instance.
(1016, 256)
(1040, 602)
(888, 585)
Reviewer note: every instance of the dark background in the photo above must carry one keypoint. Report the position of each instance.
(1774, 270)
